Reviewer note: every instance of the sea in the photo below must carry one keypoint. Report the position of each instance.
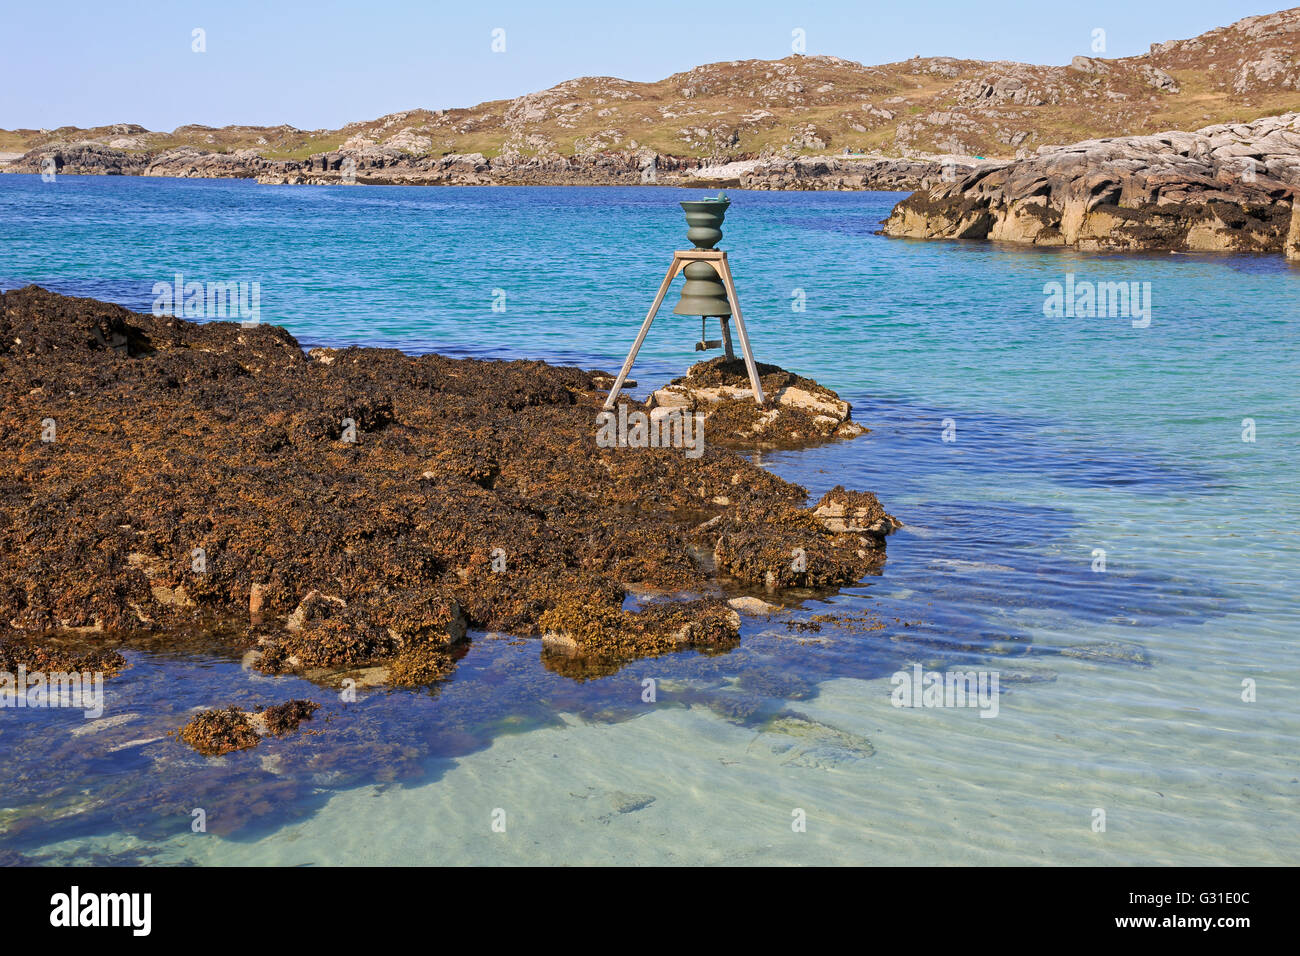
(1099, 506)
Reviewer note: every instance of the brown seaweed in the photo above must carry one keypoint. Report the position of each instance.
(361, 506)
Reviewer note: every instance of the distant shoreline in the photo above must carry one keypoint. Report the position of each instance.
(340, 168)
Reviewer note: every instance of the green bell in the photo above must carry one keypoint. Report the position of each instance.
(703, 293)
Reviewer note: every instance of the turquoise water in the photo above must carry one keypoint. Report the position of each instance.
(1121, 690)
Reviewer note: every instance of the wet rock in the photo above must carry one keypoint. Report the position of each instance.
(47, 657)
(779, 547)
(614, 633)
(420, 666)
(173, 597)
(284, 718)
(214, 733)
(748, 604)
(859, 512)
(256, 603)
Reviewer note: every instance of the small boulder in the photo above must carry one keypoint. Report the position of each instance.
(854, 512)
(747, 604)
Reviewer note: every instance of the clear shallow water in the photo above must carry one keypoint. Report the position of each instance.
(1072, 435)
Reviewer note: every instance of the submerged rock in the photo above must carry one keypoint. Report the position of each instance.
(798, 740)
(285, 718)
(1109, 652)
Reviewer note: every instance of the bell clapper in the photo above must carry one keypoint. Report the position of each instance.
(705, 344)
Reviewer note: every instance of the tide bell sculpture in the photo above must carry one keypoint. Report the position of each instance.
(708, 291)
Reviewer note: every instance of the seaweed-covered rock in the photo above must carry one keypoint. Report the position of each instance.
(779, 546)
(54, 658)
(220, 731)
(284, 718)
(224, 730)
(798, 411)
(360, 507)
(840, 511)
(610, 632)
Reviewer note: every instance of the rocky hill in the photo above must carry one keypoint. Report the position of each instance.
(768, 124)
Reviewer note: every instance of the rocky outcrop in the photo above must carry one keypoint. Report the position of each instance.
(82, 159)
(1221, 188)
(359, 508)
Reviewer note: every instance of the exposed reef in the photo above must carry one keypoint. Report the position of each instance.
(361, 508)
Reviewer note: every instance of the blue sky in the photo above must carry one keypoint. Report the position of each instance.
(322, 64)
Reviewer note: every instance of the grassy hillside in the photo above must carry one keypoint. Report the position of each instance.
(806, 105)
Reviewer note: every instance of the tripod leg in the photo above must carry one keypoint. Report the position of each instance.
(725, 271)
(645, 327)
(726, 338)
